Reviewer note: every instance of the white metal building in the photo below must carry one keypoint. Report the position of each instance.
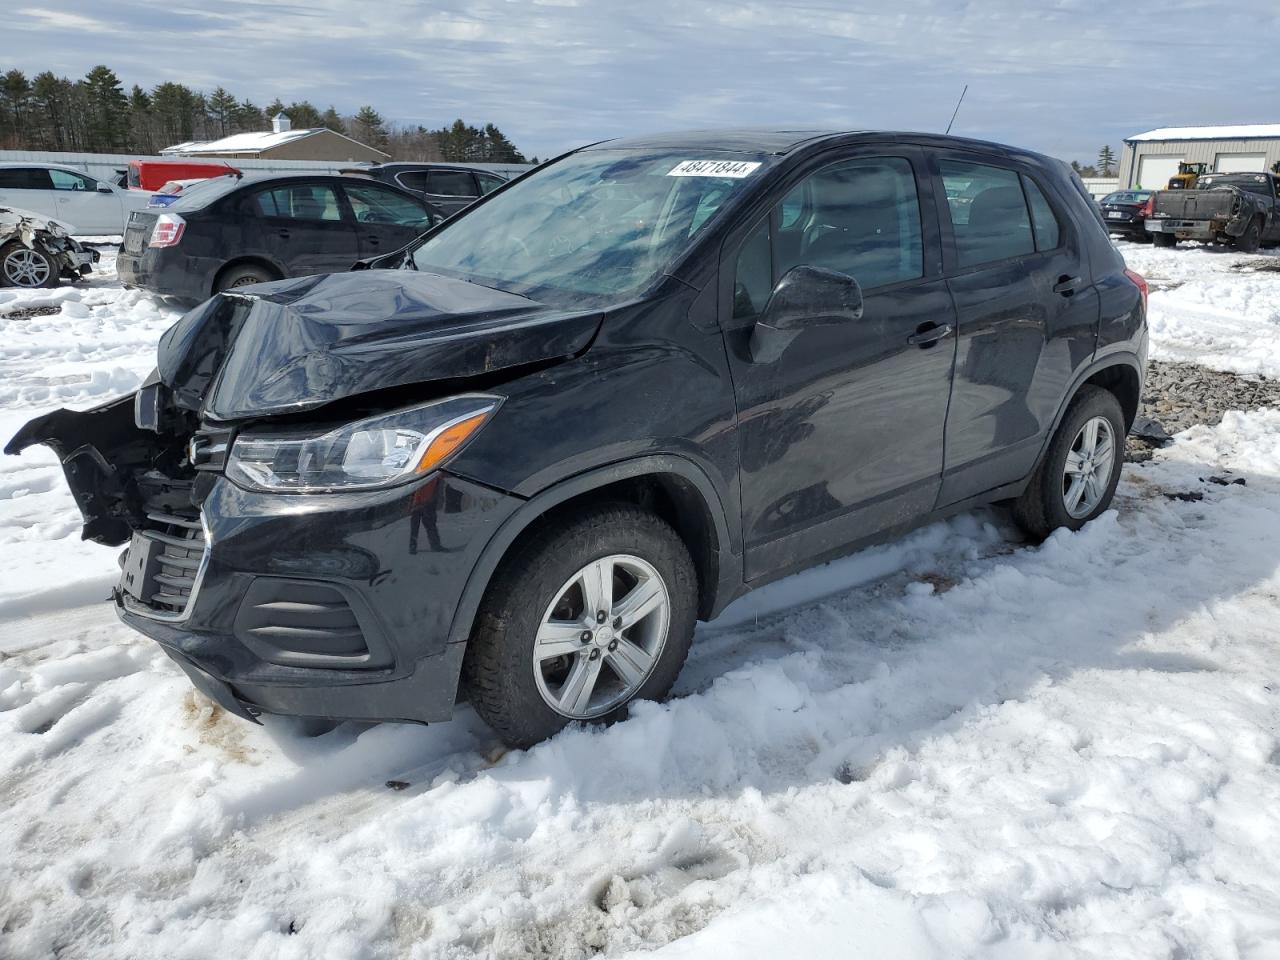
(1150, 159)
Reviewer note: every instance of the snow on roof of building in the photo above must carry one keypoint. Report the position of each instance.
(242, 142)
(1247, 131)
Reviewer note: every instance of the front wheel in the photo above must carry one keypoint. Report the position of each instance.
(23, 266)
(1077, 478)
(582, 619)
(1164, 239)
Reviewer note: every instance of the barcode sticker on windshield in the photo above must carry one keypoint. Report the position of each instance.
(736, 169)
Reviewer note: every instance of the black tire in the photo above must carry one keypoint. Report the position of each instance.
(498, 672)
(9, 272)
(243, 274)
(1164, 239)
(1251, 239)
(1041, 509)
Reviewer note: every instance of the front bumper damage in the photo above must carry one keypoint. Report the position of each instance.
(336, 606)
(70, 258)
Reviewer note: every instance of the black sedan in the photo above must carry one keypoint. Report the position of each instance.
(248, 231)
(1126, 213)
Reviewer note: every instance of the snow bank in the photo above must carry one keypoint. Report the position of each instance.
(1212, 306)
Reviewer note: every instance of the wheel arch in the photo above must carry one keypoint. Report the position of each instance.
(672, 487)
(246, 260)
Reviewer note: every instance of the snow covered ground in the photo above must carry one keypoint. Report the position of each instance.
(957, 745)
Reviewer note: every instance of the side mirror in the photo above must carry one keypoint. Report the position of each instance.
(805, 296)
(103, 188)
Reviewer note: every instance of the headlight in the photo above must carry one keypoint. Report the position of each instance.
(381, 451)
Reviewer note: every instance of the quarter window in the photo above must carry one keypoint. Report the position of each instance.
(1043, 220)
(488, 182)
(860, 217)
(988, 212)
(301, 202)
(374, 205)
(450, 183)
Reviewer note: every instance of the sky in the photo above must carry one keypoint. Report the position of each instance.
(1061, 77)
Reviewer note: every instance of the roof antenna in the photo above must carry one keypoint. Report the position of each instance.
(957, 109)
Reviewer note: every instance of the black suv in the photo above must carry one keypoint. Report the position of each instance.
(239, 231)
(599, 405)
(447, 187)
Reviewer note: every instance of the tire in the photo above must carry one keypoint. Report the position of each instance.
(512, 689)
(1044, 505)
(1251, 239)
(1164, 239)
(242, 275)
(27, 267)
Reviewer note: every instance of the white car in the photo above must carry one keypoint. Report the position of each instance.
(93, 207)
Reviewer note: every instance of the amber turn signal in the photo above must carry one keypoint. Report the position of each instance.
(448, 440)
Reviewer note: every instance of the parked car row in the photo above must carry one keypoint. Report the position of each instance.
(600, 403)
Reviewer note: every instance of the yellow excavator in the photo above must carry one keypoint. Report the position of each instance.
(1187, 175)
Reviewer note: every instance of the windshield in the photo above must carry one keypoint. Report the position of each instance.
(600, 224)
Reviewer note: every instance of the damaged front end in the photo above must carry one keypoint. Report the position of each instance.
(37, 252)
(296, 542)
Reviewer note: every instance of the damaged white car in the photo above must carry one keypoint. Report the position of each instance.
(37, 252)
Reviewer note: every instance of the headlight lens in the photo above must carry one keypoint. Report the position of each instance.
(381, 451)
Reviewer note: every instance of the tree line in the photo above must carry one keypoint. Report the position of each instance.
(95, 114)
(1105, 167)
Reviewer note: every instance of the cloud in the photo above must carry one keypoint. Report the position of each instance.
(1061, 76)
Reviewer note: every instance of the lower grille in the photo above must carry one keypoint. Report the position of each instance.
(165, 582)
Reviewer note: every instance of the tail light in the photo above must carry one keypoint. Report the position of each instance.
(1140, 282)
(168, 230)
(1147, 208)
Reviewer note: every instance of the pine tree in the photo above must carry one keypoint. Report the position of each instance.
(15, 93)
(1106, 162)
(332, 121)
(368, 127)
(222, 111)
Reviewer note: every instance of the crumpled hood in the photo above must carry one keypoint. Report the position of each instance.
(294, 345)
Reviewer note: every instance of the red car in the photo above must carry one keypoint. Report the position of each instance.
(151, 175)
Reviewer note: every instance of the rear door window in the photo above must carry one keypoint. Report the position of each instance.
(25, 178)
(372, 204)
(450, 183)
(299, 202)
(989, 213)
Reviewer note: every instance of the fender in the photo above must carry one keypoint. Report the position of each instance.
(1115, 359)
(730, 575)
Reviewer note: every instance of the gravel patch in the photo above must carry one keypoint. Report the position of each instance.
(22, 313)
(1180, 395)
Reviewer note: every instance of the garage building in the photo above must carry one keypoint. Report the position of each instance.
(282, 143)
(1150, 159)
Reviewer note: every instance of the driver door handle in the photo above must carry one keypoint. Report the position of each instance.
(930, 334)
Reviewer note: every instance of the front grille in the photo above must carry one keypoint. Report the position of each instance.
(177, 557)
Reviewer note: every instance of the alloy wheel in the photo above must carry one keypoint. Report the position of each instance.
(601, 637)
(1087, 474)
(26, 268)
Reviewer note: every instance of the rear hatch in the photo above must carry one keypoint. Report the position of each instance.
(1195, 204)
(137, 231)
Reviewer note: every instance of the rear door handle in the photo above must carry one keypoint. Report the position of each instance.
(930, 335)
(282, 233)
(372, 239)
(1066, 285)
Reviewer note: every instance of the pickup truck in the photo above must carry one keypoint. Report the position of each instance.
(1238, 209)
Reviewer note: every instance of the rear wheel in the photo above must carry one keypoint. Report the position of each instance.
(1077, 478)
(1251, 239)
(23, 266)
(1164, 239)
(242, 275)
(581, 620)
